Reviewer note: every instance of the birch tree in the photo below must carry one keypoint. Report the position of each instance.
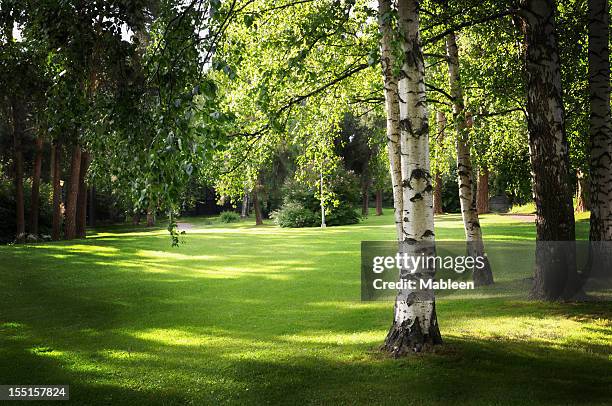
(555, 267)
(471, 222)
(600, 133)
(392, 108)
(415, 325)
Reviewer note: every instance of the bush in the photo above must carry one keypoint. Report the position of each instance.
(341, 215)
(294, 214)
(229, 217)
(302, 209)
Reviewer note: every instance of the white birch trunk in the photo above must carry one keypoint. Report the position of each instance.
(415, 324)
(392, 110)
(465, 175)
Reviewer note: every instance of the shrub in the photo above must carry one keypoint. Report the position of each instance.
(229, 217)
(294, 214)
(300, 206)
(343, 214)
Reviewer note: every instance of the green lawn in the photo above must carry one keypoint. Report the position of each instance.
(259, 315)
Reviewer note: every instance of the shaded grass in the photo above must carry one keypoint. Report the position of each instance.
(245, 314)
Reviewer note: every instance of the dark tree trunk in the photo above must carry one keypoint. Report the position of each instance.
(379, 203)
(582, 193)
(18, 131)
(35, 197)
(81, 216)
(151, 216)
(257, 207)
(70, 226)
(136, 218)
(601, 139)
(482, 191)
(555, 269)
(56, 165)
(92, 206)
(365, 200)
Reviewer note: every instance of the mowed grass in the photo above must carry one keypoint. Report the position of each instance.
(261, 315)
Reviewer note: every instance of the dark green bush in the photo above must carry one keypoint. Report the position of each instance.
(294, 214)
(229, 217)
(302, 209)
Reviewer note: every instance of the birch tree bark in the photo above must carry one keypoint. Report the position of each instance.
(415, 325)
(601, 138)
(555, 268)
(437, 200)
(471, 222)
(392, 109)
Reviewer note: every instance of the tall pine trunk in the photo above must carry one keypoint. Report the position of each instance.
(601, 139)
(392, 110)
(81, 215)
(555, 267)
(35, 196)
(56, 165)
(415, 324)
(70, 226)
(482, 190)
(463, 122)
(18, 132)
(437, 198)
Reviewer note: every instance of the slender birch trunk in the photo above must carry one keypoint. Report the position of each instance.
(70, 226)
(392, 110)
(555, 267)
(35, 196)
(437, 199)
(471, 222)
(56, 159)
(415, 325)
(482, 190)
(601, 138)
